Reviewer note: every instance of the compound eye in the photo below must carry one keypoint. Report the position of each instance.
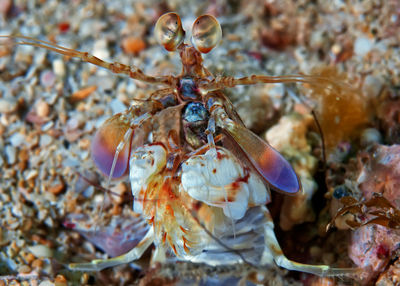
(169, 32)
(206, 33)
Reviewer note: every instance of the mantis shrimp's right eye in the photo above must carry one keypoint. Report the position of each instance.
(206, 33)
(169, 31)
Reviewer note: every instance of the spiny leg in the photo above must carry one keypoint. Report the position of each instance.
(273, 252)
(118, 68)
(133, 254)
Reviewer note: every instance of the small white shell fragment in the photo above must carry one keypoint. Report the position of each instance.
(220, 180)
(46, 283)
(59, 67)
(42, 108)
(8, 105)
(45, 140)
(370, 136)
(11, 154)
(31, 174)
(41, 251)
(362, 46)
(117, 106)
(17, 139)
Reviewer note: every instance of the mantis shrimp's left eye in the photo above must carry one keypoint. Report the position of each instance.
(206, 33)
(169, 31)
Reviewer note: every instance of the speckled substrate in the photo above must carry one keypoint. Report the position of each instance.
(50, 106)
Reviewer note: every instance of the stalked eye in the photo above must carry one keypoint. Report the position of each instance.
(206, 33)
(105, 143)
(169, 31)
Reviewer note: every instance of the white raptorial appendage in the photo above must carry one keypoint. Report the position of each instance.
(220, 180)
(144, 163)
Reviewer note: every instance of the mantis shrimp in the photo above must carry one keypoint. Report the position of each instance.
(198, 176)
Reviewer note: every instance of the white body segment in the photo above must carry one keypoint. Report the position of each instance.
(144, 163)
(229, 192)
(218, 179)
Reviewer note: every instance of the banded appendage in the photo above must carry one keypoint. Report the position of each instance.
(273, 252)
(315, 80)
(115, 67)
(134, 254)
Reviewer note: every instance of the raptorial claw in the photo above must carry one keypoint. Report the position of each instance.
(105, 143)
(269, 163)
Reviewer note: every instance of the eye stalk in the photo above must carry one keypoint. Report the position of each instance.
(206, 33)
(169, 31)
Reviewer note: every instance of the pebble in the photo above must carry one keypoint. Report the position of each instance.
(103, 82)
(57, 189)
(41, 251)
(40, 58)
(37, 263)
(24, 55)
(83, 93)
(17, 139)
(59, 67)
(47, 126)
(117, 106)
(131, 87)
(370, 136)
(45, 140)
(47, 78)
(11, 154)
(29, 257)
(133, 45)
(24, 269)
(60, 280)
(100, 50)
(8, 105)
(86, 28)
(32, 174)
(46, 283)
(42, 108)
(372, 86)
(362, 46)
